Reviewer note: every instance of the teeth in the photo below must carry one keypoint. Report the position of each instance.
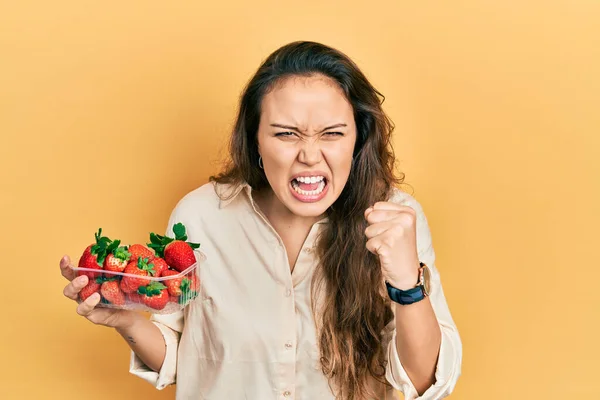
(317, 191)
(310, 179)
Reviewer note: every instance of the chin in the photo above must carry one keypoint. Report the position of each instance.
(308, 210)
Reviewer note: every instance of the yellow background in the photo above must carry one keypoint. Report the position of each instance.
(110, 112)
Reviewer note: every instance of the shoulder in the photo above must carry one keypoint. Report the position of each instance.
(399, 196)
(198, 208)
(203, 198)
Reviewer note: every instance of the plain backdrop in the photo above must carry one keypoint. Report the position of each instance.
(110, 112)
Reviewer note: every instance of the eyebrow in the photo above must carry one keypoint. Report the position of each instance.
(294, 128)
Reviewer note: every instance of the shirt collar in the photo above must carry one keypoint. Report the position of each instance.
(228, 193)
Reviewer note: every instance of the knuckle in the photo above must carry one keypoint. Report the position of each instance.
(407, 219)
(81, 310)
(389, 241)
(93, 318)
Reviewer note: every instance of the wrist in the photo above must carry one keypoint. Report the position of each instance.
(406, 281)
(127, 321)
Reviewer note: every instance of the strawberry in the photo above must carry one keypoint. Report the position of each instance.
(178, 253)
(92, 287)
(93, 256)
(190, 285)
(140, 267)
(139, 250)
(194, 281)
(154, 295)
(174, 284)
(117, 257)
(134, 297)
(160, 265)
(110, 291)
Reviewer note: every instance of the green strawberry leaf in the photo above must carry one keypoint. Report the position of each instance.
(144, 265)
(155, 239)
(185, 285)
(122, 254)
(153, 288)
(179, 231)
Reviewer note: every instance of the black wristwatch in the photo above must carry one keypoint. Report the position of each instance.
(416, 294)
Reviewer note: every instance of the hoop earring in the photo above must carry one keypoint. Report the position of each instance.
(260, 164)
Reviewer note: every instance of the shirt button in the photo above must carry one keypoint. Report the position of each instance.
(287, 393)
(288, 293)
(308, 250)
(288, 345)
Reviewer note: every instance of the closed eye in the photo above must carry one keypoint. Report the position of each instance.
(334, 133)
(284, 134)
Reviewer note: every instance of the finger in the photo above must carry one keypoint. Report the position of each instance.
(377, 216)
(72, 289)
(66, 268)
(387, 205)
(373, 245)
(377, 229)
(86, 307)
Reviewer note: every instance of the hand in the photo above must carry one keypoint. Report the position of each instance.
(100, 316)
(392, 236)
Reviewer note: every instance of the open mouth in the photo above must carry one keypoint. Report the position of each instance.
(309, 186)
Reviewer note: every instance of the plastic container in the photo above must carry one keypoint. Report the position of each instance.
(153, 302)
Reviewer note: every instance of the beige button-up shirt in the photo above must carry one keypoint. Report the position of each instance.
(250, 333)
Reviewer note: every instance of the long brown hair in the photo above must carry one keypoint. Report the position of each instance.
(353, 310)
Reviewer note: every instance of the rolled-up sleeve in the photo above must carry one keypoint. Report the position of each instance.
(170, 326)
(449, 362)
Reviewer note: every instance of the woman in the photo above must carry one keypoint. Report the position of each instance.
(307, 242)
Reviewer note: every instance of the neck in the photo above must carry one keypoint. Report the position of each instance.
(280, 215)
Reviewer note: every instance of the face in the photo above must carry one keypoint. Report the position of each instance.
(306, 139)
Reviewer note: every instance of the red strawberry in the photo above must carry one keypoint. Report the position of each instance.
(134, 297)
(117, 260)
(154, 295)
(110, 291)
(194, 281)
(140, 267)
(93, 256)
(178, 253)
(92, 287)
(140, 251)
(189, 288)
(160, 265)
(174, 284)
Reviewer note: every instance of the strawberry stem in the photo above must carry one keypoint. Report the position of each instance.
(159, 242)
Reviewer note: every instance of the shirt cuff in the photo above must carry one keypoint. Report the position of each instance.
(446, 374)
(168, 371)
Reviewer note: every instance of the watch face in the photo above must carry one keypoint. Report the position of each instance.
(426, 280)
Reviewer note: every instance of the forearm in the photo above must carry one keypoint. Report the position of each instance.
(146, 340)
(418, 340)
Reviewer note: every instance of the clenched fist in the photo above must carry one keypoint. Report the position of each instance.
(392, 236)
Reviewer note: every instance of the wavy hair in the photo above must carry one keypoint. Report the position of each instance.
(353, 310)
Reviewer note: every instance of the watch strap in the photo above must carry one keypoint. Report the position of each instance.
(405, 297)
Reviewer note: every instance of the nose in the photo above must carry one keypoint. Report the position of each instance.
(310, 153)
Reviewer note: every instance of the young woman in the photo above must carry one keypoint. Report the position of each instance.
(320, 280)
